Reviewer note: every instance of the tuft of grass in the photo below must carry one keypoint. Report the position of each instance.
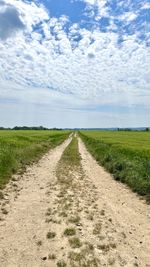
(63, 214)
(39, 243)
(104, 247)
(83, 259)
(4, 211)
(102, 212)
(90, 217)
(75, 256)
(52, 256)
(1, 195)
(74, 219)
(50, 235)
(111, 260)
(75, 242)
(97, 229)
(61, 263)
(69, 231)
(89, 246)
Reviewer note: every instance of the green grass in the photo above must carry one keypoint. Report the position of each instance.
(61, 263)
(71, 154)
(68, 164)
(75, 242)
(20, 148)
(70, 231)
(124, 154)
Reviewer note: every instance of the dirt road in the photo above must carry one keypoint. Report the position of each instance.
(59, 215)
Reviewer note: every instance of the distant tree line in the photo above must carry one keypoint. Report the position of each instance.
(124, 129)
(130, 129)
(30, 128)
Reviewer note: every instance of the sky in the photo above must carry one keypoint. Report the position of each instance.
(75, 63)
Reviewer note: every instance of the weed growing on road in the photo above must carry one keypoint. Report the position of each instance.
(97, 229)
(61, 263)
(4, 211)
(74, 219)
(75, 242)
(51, 235)
(69, 231)
(51, 256)
(1, 195)
(39, 243)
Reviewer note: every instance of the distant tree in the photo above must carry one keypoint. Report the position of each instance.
(124, 129)
(146, 129)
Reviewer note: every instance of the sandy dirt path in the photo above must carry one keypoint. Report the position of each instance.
(22, 214)
(128, 214)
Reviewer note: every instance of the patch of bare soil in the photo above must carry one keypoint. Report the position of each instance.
(124, 239)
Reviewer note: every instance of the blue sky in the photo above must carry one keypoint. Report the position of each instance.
(75, 63)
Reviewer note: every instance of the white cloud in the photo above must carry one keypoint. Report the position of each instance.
(128, 16)
(100, 5)
(41, 68)
(146, 6)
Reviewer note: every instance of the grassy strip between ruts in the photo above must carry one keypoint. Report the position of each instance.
(129, 164)
(71, 154)
(20, 148)
(72, 197)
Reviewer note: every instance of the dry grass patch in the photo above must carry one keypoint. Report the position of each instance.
(83, 259)
(1, 195)
(75, 242)
(104, 247)
(52, 256)
(69, 231)
(61, 263)
(97, 228)
(51, 235)
(4, 211)
(74, 219)
(63, 214)
(49, 212)
(90, 217)
(39, 243)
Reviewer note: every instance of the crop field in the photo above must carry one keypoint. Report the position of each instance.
(124, 154)
(19, 148)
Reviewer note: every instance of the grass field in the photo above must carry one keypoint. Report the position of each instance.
(19, 148)
(124, 154)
